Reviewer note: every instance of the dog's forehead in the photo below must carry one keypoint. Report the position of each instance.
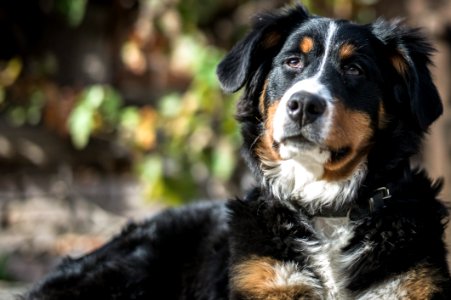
(322, 30)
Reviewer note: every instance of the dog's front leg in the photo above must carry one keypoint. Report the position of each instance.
(266, 262)
(266, 278)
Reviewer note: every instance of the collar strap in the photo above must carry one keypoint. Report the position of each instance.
(375, 203)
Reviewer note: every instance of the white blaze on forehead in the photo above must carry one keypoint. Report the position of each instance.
(310, 85)
(330, 33)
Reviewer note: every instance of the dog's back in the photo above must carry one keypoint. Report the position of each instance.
(180, 254)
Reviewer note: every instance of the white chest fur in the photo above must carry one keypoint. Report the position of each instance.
(327, 257)
(329, 262)
(299, 179)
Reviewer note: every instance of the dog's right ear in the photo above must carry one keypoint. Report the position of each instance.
(410, 53)
(264, 41)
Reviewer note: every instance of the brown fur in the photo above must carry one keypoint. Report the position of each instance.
(346, 51)
(261, 103)
(382, 116)
(400, 64)
(255, 279)
(271, 40)
(420, 283)
(350, 129)
(264, 148)
(306, 44)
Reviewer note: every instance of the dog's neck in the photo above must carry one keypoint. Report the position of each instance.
(300, 181)
(373, 195)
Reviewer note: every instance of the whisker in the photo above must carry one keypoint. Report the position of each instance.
(256, 140)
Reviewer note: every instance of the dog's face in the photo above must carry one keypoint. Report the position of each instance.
(322, 96)
(322, 99)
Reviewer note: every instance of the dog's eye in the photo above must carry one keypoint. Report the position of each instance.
(294, 63)
(352, 70)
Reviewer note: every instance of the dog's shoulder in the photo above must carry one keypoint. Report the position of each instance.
(159, 258)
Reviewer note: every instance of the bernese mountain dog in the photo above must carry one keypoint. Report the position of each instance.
(330, 115)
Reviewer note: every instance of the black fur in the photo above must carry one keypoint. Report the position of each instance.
(418, 87)
(193, 252)
(179, 254)
(247, 56)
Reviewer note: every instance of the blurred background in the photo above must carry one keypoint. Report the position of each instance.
(110, 110)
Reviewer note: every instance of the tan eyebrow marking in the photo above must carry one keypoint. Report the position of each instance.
(346, 51)
(306, 44)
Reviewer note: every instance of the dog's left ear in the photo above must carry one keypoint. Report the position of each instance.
(410, 53)
(268, 33)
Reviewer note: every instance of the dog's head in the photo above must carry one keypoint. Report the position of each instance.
(328, 101)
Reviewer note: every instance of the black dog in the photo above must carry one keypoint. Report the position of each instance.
(330, 115)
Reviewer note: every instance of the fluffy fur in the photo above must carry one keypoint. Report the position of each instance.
(330, 115)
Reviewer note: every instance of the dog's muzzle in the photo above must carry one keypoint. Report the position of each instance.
(304, 108)
(303, 115)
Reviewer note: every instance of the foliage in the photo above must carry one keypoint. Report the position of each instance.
(198, 136)
(184, 141)
(72, 10)
(97, 108)
(187, 140)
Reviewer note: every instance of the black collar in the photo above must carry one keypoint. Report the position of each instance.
(371, 199)
(376, 202)
(377, 198)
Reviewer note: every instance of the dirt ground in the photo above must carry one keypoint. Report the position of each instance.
(46, 222)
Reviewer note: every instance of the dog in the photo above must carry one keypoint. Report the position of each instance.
(330, 115)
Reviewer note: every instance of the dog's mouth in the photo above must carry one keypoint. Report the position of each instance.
(297, 140)
(294, 145)
(300, 143)
(340, 154)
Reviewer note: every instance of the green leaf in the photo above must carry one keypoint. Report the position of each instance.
(151, 169)
(81, 122)
(93, 96)
(223, 161)
(129, 118)
(170, 105)
(80, 125)
(110, 107)
(18, 116)
(73, 10)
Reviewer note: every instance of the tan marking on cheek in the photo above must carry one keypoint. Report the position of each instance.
(346, 51)
(399, 64)
(344, 168)
(264, 149)
(261, 102)
(351, 130)
(306, 44)
(421, 283)
(256, 279)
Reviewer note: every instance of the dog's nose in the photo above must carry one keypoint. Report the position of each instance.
(305, 108)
